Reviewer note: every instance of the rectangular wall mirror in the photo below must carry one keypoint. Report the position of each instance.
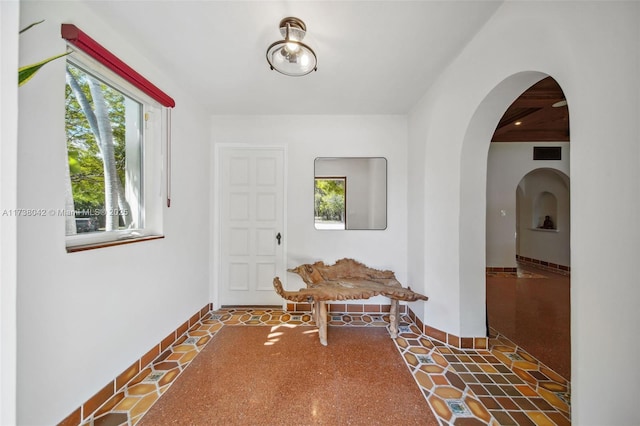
(350, 193)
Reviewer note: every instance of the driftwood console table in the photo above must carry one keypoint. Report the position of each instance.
(347, 279)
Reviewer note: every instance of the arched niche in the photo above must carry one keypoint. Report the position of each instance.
(545, 211)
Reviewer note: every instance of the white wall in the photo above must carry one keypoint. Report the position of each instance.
(508, 164)
(9, 17)
(330, 136)
(85, 317)
(591, 49)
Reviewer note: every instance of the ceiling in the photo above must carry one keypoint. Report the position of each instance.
(374, 57)
(536, 116)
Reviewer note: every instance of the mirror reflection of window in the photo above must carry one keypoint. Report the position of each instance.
(330, 203)
(364, 198)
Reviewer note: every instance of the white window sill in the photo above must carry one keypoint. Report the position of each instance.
(93, 246)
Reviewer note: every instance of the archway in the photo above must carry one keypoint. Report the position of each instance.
(528, 226)
(473, 197)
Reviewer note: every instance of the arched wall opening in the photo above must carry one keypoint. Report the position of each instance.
(473, 198)
(521, 192)
(544, 219)
(504, 196)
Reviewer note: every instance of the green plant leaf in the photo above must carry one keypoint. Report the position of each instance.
(28, 71)
(32, 25)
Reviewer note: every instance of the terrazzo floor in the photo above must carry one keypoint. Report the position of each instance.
(504, 385)
(300, 381)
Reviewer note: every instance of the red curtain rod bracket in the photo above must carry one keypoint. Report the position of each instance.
(79, 39)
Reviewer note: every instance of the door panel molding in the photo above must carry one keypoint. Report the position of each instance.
(246, 192)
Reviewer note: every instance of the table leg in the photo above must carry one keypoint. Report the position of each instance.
(393, 319)
(321, 320)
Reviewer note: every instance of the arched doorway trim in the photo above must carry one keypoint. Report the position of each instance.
(473, 181)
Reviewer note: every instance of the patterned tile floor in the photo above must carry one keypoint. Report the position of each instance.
(501, 386)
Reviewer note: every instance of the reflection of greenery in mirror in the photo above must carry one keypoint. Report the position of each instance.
(330, 206)
(354, 186)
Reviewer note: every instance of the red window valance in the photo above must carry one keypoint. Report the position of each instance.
(79, 39)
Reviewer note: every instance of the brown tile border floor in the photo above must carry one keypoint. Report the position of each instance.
(501, 386)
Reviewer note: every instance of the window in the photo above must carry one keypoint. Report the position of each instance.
(115, 130)
(330, 203)
(112, 159)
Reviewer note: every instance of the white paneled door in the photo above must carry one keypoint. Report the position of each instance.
(251, 225)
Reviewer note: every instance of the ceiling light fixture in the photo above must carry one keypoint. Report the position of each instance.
(290, 56)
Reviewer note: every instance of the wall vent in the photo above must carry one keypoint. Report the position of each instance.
(547, 153)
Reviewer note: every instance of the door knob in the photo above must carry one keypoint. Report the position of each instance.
(278, 237)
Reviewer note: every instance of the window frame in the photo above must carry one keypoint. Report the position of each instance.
(153, 129)
(321, 225)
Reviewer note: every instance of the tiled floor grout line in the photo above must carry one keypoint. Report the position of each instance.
(526, 391)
